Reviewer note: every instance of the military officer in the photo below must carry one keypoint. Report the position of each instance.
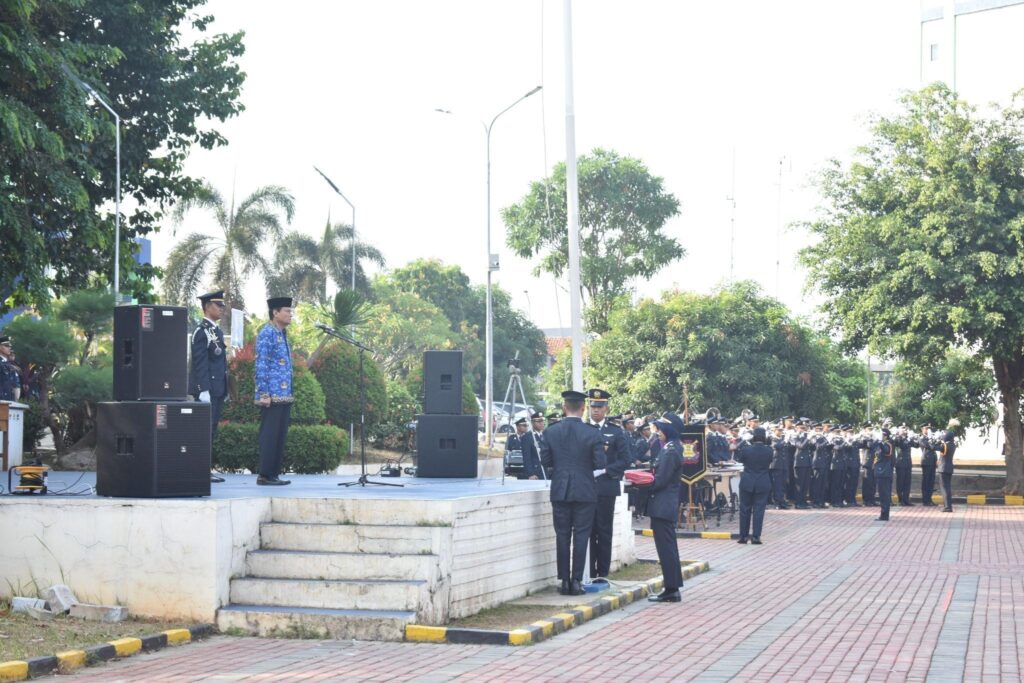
(851, 480)
(779, 469)
(531, 448)
(903, 465)
(514, 443)
(802, 464)
(867, 444)
(571, 453)
(274, 390)
(641, 443)
(663, 506)
(553, 418)
(946, 447)
(209, 378)
(837, 469)
(821, 465)
(884, 453)
(609, 488)
(10, 377)
(929, 462)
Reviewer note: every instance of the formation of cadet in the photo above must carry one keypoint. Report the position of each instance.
(10, 375)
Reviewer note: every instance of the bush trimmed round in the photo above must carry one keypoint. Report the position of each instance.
(310, 449)
(337, 370)
(309, 397)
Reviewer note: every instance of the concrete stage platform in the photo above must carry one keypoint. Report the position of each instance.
(310, 557)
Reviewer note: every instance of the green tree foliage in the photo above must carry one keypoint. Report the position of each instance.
(734, 349)
(622, 214)
(447, 287)
(90, 311)
(921, 243)
(960, 384)
(309, 449)
(337, 370)
(229, 259)
(309, 397)
(44, 346)
(57, 147)
(302, 264)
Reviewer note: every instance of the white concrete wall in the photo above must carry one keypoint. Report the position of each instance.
(168, 559)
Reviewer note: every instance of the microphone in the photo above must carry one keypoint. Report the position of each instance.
(325, 328)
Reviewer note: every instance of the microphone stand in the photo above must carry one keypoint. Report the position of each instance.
(363, 478)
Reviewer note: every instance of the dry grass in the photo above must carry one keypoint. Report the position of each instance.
(505, 617)
(638, 571)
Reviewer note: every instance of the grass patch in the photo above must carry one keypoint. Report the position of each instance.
(506, 617)
(22, 637)
(638, 571)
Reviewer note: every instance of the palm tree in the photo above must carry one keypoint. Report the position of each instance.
(230, 258)
(302, 265)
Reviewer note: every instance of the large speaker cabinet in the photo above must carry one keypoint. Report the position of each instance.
(148, 449)
(442, 382)
(446, 446)
(150, 357)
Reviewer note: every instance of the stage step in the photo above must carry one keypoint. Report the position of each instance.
(364, 538)
(348, 511)
(309, 564)
(333, 594)
(311, 622)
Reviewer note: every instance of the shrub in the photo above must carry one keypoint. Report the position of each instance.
(310, 449)
(390, 433)
(309, 397)
(35, 426)
(337, 369)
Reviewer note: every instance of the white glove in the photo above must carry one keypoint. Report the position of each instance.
(598, 473)
(204, 397)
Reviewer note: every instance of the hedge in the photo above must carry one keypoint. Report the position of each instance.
(309, 397)
(337, 369)
(310, 449)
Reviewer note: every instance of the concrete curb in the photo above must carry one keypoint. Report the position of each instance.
(545, 628)
(70, 660)
(722, 535)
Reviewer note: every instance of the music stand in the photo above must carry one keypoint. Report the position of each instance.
(363, 478)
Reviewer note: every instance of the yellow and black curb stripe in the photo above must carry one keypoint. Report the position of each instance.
(977, 499)
(545, 628)
(691, 534)
(70, 660)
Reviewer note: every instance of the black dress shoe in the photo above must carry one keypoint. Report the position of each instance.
(756, 540)
(947, 509)
(214, 479)
(564, 588)
(881, 519)
(265, 481)
(666, 596)
(742, 540)
(575, 588)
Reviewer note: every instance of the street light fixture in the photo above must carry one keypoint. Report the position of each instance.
(89, 90)
(492, 265)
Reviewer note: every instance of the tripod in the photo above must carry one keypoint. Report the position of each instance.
(363, 478)
(514, 382)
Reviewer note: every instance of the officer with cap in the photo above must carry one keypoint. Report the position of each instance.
(531, 448)
(209, 378)
(866, 443)
(802, 465)
(514, 443)
(274, 390)
(884, 451)
(553, 418)
(778, 470)
(929, 463)
(852, 479)
(608, 483)
(10, 377)
(903, 465)
(572, 454)
(946, 447)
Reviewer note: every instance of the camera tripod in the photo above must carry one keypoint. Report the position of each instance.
(515, 382)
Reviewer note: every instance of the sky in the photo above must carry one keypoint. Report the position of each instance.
(686, 87)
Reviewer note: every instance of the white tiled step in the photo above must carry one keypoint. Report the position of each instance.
(291, 621)
(351, 538)
(359, 595)
(308, 564)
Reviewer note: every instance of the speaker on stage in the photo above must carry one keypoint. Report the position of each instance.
(446, 446)
(442, 382)
(148, 449)
(150, 353)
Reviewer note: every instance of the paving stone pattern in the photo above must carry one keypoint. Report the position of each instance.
(833, 595)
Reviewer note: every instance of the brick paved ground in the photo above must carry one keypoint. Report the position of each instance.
(832, 595)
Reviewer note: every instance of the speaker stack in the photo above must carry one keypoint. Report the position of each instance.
(152, 441)
(446, 440)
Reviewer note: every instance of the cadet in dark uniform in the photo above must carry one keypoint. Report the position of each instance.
(754, 485)
(641, 444)
(10, 377)
(209, 378)
(608, 483)
(553, 418)
(571, 453)
(513, 444)
(946, 449)
(821, 464)
(663, 507)
(837, 469)
(903, 466)
(779, 470)
(802, 465)
(274, 390)
(929, 462)
(883, 473)
(851, 481)
(531, 448)
(868, 487)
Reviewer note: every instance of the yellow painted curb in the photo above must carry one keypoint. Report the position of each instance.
(176, 636)
(567, 619)
(13, 671)
(588, 611)
(976, 500)
(716, 534)
(860, 498)
(70, 660)
(895, 499)
(649, 533)
(613, 599)
(546, 627)
(126, 647)
(1013, 500)
(937, 498)
(519, 637)
(425, 634)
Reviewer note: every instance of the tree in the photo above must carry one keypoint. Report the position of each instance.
(234, 255)
(447, 287)
(302, 265)
(920, 243)
(733, 349)
(960, 384)
(622, 213)
(57, 148)
(90, 311)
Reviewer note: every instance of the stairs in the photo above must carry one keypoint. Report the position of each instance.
(339, 580)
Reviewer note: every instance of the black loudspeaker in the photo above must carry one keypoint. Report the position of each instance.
(150, 353)
(442, 382)
(147, 449)
(446, 446)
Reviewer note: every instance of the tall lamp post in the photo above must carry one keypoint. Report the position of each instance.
(351, 427)
(89, 90)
